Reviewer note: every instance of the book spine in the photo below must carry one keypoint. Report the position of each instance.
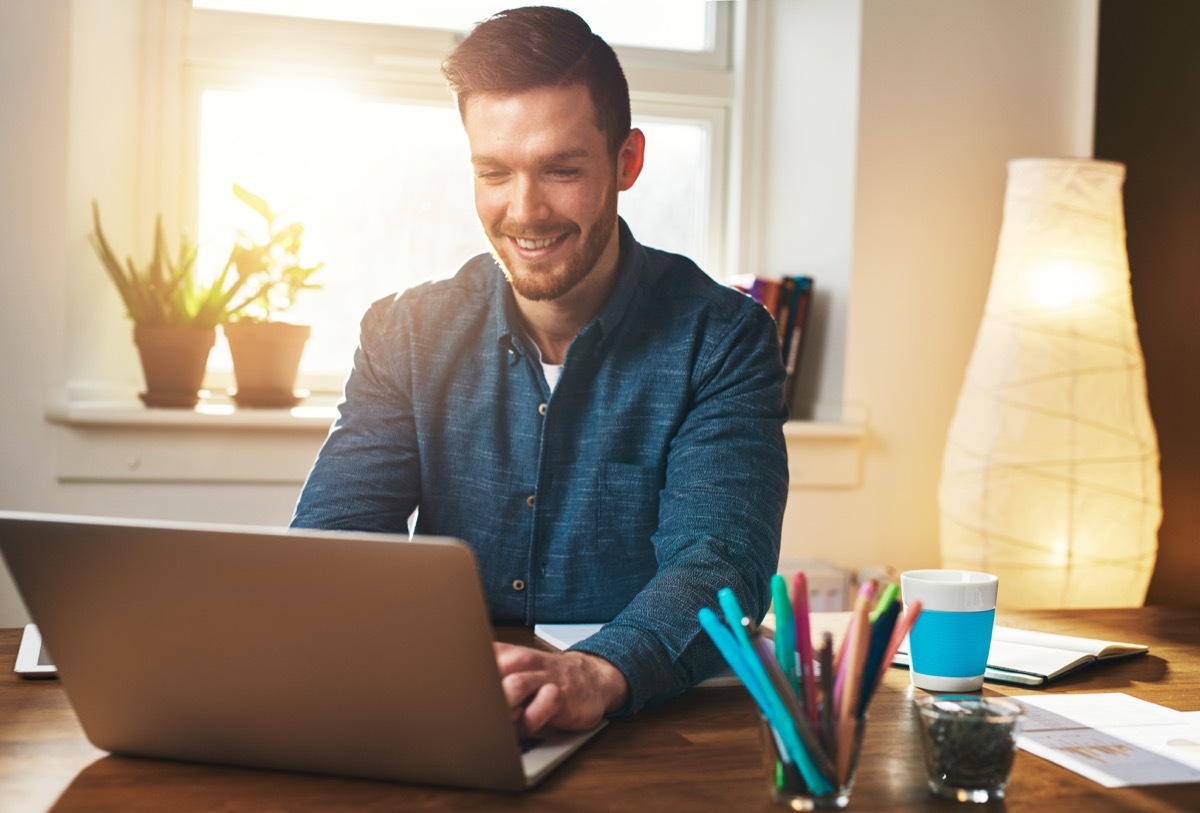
(801, 305)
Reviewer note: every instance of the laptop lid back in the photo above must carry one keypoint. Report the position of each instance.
(352, 654)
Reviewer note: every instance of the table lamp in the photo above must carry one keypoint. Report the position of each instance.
(1050, 473)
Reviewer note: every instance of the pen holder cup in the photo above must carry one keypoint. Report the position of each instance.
(969, 743)
(786, 782)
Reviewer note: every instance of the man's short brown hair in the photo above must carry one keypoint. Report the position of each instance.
(536, 47)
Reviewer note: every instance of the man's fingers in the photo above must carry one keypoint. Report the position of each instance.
(511, 659)
(570, 690)
(520, 687)
(542, 709)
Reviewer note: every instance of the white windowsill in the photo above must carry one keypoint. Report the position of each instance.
(106, 434)
(120, 407)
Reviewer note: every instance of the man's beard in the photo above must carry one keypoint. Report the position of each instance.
(538, 281)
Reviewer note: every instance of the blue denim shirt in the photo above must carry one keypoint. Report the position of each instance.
(654, 474)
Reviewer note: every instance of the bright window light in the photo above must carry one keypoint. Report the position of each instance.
(384, 191)
(678, 25)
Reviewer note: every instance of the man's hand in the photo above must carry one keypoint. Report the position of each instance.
(568, 690)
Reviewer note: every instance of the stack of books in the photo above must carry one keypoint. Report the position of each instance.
(789, 300)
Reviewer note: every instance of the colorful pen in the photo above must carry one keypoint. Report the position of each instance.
(886, 599)
(739, 652)
(818, 754)
(828, 732)
(804, 648)
(785, 631)
(903, 625)
(881, 628)
(852, 665)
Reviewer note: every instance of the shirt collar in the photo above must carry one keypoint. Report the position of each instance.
(631, 275)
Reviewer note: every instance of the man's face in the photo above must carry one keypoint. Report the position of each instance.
(545, 187)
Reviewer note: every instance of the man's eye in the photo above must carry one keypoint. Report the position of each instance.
(563, 172)
(490, 175)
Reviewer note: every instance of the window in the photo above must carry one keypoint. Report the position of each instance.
(346, 126)
(679, 25)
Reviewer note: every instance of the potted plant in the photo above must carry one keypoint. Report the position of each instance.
(266, 351)
(174, 314)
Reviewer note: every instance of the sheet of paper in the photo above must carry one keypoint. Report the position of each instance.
(563, 636)
(1112, 738)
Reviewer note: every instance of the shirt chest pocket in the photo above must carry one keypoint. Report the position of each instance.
(627, 510)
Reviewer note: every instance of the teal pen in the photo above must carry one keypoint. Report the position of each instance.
(785, 631)
(732, 654)
(742, 662)
(792, 704)
(778, 714)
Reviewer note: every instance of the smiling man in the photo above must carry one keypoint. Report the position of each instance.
(600, 421)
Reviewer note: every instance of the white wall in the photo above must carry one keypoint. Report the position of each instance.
(889, 126)
(812, 137)
(949, 91)
(33, 182)
(46, 183)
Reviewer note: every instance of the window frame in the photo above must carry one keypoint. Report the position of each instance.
(229, 50)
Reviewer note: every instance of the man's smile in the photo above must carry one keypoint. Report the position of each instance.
(536, 243)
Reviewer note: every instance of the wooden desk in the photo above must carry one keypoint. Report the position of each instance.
(699, 752)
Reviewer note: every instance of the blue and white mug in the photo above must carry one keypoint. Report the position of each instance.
(948, 645)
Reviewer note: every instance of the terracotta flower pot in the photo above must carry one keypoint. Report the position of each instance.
(266, 359)
(173, 362)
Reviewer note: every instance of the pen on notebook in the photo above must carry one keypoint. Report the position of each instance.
(804, 648)
(785, 631)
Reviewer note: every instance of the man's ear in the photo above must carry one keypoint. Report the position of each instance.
(630, 158)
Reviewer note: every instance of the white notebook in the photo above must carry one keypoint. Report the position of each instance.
(1031, 658)
(564, 636)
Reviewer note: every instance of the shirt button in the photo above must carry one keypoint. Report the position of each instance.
(541, 409)
(529, 501)
(518, 585)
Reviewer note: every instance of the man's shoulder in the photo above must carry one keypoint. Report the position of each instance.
(674, 279)
(472, 288)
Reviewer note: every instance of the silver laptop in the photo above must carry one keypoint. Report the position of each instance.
(361, 655)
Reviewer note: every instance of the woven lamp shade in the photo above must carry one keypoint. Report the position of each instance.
(1050, 475)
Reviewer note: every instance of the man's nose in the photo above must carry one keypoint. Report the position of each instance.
(527, 203)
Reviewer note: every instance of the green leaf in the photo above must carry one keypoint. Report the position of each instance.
(254, 202)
